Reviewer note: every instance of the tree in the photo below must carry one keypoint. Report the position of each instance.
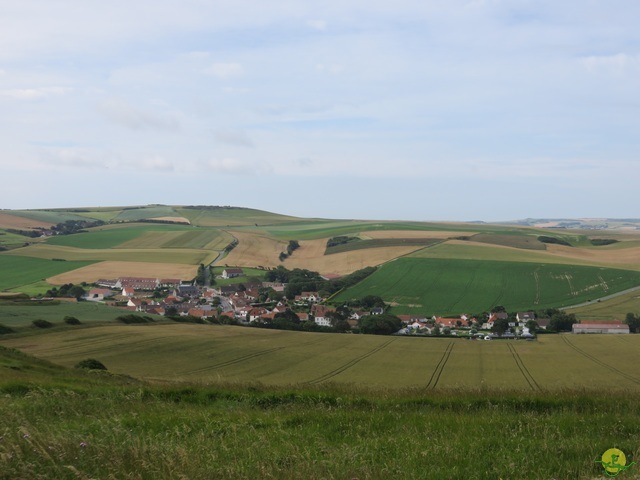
(532, 325)
(77, 292)
(633, 321)
(91, 364)
(500, 326)
(384, 324)
(562, 322)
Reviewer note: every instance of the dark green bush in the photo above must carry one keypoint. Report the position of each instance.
(71, 320)
(42, 324)
(91, 364)
(4, 330)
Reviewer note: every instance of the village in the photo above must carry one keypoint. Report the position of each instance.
(261, 303)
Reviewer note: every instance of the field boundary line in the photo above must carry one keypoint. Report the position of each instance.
(600, 362)
(523, 369)
(349, 364)
(435, 375)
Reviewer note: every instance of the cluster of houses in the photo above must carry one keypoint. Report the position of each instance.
(240, 303)
(237, 302)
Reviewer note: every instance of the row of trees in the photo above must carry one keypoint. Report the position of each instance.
(67, 290)
(301, 280)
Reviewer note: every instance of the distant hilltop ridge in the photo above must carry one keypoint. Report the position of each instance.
(580, 223)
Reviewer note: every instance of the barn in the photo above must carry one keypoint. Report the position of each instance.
(599, 327)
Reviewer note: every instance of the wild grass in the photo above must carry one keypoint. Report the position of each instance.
(73, 424)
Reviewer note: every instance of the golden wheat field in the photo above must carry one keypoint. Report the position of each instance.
(216, 353)
(20, 223)
(115, 269)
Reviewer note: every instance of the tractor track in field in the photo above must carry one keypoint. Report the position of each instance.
(600, 362)
(465, 289)
(435, 375)
(92, 343)
(247, 357)
(523, 369)
(349, 364)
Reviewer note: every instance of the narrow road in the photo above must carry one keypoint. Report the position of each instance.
(608, 297)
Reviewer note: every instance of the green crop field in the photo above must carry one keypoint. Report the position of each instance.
(331, 228)
(382, 243)
(21, 315)
(200, 239)
(231, 216)
(529, 242)
(214, 353)
(143, 213)
(8, 239)
(17, 271)
(104, 237)
(158, 255)
(451, 286)
(50, 216)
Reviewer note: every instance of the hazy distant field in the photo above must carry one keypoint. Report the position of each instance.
(155, 255)
(263, 236)
(205, 353)
(452, 286)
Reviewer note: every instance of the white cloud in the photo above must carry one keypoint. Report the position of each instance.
(618, 62)
(158, 164)
(235, 138)
(34, 93)
(121, 112)
(319, 25)
(236, 166)
(225, 70)
(332, 68)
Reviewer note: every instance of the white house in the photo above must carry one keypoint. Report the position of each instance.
(232, 272)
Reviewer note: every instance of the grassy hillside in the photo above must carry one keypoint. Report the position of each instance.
(263, 236)
(68, 424)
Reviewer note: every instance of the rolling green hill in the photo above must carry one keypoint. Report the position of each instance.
(452, 286)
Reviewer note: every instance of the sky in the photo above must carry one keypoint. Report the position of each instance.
(407, 110)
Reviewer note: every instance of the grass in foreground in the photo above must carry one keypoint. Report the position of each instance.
(60, 423)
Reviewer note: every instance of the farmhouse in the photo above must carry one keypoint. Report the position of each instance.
(99, 294)
(320, 313)
(596, 327)
(232, 272)
(138, 283)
